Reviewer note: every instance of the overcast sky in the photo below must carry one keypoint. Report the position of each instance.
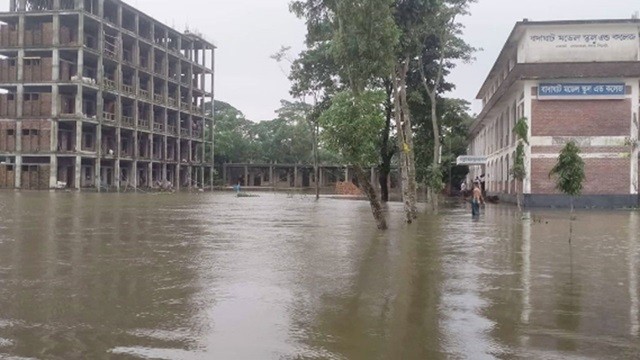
(247, 32)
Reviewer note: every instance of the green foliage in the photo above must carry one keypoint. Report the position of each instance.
(352, 124)
(434, 178)
(521, 129)
(364, 41)
(286, 139)
(569, 170)
(455, 121)
(518, 170)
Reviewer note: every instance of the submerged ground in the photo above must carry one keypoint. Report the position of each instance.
(212, 276)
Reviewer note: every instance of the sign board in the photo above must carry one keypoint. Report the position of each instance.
(591, 90)
(580, 43)
(469, 160)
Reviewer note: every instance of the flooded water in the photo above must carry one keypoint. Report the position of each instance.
(211, 276)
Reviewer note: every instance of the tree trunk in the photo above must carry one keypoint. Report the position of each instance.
(436, 140)
(383, 179)
(518, 194)
(316, 169)
(386, 153)
(408, 138)
(400, 82)
(368, 189)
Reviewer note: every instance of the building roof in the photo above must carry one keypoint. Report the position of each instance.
(518, 31)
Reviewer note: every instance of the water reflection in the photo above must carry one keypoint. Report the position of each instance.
(285, 277)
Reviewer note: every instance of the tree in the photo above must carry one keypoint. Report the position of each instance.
(569, 174)
(351, 127)
(232, 133)
(569, 171)
(519, 172)
(440, 29)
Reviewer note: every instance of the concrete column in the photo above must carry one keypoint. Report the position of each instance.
(320, 176)
(78, 173)
(527, 152)
(98, 167)
(346, 174)
(149, 174)
(201, 177)
(56, 6)
(18, 167)
(53, 174)
(190, 172)
(295, 176)
(163, 172)
(246, 176)
(133, 179)
(116, 170)
(272, 181)
(634, 136)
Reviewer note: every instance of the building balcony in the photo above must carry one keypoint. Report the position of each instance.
(128, 89)
(110, 84)
(143, 124)
(159, 98)
(145, 94)
(128, 121)
(158, 127)
(109, 117)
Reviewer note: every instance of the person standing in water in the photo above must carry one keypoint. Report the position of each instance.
(476, 200)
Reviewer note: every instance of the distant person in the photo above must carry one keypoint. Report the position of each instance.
(476, 200)
(463, 188)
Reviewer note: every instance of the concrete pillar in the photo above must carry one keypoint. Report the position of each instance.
(295, 176)
(53, 174)
(149, 174)
(133, 179)
(18, 167)
(320, 178)
(246, 176)
(78, 173)
(346, 174)
(190, 173)
(56, 6)
(225, 181)
(98, 167)
(272, 181)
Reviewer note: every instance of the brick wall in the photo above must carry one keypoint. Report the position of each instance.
(8, 36)
(8, 70)
(7, 136)
(36, 136)
(7, 106)
(603, 176)
(581, 117)
(7, 176)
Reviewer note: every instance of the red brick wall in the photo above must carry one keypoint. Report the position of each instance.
(603, 176)
(581, 117)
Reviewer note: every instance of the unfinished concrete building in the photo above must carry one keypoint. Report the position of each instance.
(95, 94)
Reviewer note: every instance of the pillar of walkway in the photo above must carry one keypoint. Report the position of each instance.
(246, 175)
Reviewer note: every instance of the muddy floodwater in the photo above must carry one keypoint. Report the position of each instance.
(212, 276)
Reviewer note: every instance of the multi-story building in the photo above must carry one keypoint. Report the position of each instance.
(96, 94)
(570, 80)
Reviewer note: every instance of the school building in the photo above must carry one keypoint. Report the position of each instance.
(571, 80)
